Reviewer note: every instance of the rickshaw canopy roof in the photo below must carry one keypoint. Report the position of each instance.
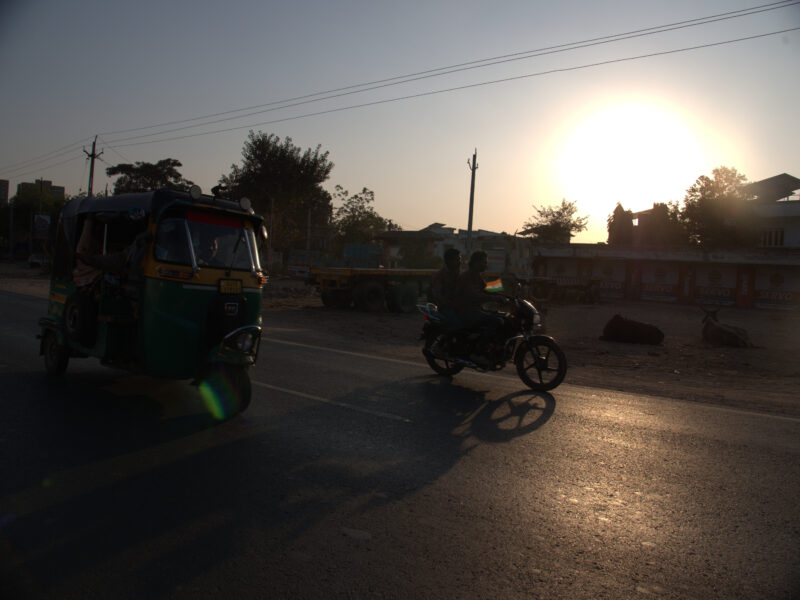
(150, 203)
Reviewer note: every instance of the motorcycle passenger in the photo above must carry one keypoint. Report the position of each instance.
(443, 288)
(470, 296)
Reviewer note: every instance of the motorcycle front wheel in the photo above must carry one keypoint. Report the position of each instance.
(442, 366)
(541, 363)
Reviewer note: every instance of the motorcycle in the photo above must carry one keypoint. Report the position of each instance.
(541, 364)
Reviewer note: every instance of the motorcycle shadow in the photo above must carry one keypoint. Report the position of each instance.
(512, 416)
(494, 420)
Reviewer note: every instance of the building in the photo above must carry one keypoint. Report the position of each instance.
(40, 186)
(777, 202)
(439, 238)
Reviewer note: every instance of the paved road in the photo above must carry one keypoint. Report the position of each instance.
(360, 475)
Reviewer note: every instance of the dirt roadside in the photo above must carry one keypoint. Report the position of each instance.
(764, 378)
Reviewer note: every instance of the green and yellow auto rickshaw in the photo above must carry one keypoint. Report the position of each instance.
(163, 283)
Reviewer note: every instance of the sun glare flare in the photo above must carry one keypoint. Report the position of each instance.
(636, 153)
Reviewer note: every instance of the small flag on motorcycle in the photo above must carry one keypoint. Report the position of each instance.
(494, 286)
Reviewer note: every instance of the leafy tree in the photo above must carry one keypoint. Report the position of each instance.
(147, 177)
(355, 221)
(716, 212)
(663, 226)
(29, 201)
(284, 184)
(555, 224)
(620, 227)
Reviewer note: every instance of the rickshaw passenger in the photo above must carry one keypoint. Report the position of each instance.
(91, 263)
(84, 274)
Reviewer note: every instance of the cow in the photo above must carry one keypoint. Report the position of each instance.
(721, 334)
(620, 329)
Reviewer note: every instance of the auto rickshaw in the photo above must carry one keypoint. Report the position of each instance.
(163, 283)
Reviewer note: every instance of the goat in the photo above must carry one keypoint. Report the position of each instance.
(721, 334)
(620, 329)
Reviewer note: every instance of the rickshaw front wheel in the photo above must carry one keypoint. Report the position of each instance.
(240, 381)
(227, 389)
(56, 356)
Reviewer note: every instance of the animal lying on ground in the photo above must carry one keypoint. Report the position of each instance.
(620, 329)
(721, 334)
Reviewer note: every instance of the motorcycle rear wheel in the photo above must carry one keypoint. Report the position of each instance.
(442, 366)
(541, 363)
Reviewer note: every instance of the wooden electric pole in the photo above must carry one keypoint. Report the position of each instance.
(92, 156)
(472, 167)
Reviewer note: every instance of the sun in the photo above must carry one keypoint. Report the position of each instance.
(632, 152)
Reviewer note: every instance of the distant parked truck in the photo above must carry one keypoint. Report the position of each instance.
(372, 290)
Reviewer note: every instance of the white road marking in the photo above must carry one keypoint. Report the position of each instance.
(369, 411)
(505, 375)
(345, 352)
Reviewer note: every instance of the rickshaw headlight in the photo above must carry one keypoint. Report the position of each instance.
(243, 340)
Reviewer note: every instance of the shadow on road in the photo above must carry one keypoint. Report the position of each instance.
(485, 418)
(104, 489)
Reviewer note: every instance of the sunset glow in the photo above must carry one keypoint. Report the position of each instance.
(635, 153)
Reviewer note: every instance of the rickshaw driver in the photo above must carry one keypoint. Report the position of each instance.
(207, 251)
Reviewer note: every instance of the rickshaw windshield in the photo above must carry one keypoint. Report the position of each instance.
(210, 240)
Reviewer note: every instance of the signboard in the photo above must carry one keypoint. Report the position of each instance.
(497, 261)
(41, 227)
(777, 287)
(716, 284)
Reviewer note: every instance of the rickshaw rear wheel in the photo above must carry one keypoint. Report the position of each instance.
(56, 356)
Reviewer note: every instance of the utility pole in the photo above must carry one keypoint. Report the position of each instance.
(271, 231)
(308, 233)
(92, 156)
(10, 229)
(472, 167)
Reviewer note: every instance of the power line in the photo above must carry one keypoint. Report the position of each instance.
(125, 158)
(354, 89)
(38, 170)
(24, 164)
(439, 71)
(463, 87)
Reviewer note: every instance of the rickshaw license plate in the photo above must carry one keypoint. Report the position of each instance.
(230, 286)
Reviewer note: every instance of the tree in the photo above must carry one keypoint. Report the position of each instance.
(147, 177)
(284, 183)
(662, 227)
(555, 224)
(29, 201)
(716, 212)
(355, 221)
(620, 227)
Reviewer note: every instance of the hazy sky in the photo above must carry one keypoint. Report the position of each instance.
(592, 124)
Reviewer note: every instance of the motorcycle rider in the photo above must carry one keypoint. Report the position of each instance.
(470, 296)
(443, 288)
